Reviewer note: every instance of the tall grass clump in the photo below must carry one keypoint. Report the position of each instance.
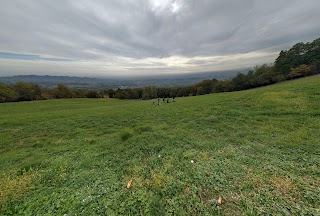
(126, 134)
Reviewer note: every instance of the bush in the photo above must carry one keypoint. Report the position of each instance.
(92, 94)
(7, 93)
(301, 71)
(315, 67)
(200, 91)
(27, 91)
(62, 91)
(45, 96)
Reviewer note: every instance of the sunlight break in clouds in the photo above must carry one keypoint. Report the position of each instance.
(124, 66)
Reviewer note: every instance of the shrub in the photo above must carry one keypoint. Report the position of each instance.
(93, 94)
(7, 93)
(62, 91)
(27, 91)
(301, 71)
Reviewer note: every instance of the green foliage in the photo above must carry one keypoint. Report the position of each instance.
(207, 86)
(80, 93)
(223, 86)
(125, 135)
(300, 71)
(93, 94)
(22, 91)
(7, 93)
(110, 92)
(299, 54)
(315, 66)
(149, 93)
(62, 91)
(200, 91)
(240, 82)
(182, 92)
(27, 91)
(121, 94)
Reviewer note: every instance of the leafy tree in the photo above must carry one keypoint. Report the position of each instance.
(200, 91)
(27, 91)
(207, 85)
(173, 92)
(183, 92)
(240, 82)
(315, 67)
(92, 94)
(62, 91)
(223, 86)
(45, 95)
(300, 71)
(110, 92)
(133, 93)
(192, 90)
(299, 54)
(121, 94)
(149, 93)
(313, 52)
(79, 93)
(7, 93)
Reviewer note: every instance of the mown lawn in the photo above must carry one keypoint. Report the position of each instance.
(257, 149)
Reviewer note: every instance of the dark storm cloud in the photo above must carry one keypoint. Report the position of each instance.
(82, 30)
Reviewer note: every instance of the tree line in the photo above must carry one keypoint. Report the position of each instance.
(303, 59)
(23, 91)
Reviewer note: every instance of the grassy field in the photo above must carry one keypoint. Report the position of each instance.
(257, 149)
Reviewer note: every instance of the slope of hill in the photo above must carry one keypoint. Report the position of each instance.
(257, 149)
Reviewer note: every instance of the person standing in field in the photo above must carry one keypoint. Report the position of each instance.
(173, 99)
(167, 99)
(158, 101)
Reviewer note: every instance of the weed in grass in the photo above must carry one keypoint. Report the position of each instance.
(126, 134)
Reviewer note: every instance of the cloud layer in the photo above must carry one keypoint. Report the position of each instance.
(134, 37)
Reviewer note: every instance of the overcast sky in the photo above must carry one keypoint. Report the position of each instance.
(146, 37)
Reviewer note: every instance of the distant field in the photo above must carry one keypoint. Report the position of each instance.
(258, 149)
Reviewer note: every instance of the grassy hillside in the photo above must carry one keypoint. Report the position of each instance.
(258, 149)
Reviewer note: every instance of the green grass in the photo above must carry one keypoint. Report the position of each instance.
(258, 149)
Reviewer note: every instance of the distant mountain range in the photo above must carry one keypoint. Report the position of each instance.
(102, 83)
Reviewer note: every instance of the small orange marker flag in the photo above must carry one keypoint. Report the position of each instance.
(129, 184)
(220, 200)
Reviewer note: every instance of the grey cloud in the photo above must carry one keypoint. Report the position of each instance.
(99, 29)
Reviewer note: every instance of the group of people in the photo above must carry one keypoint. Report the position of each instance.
(163, 100)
